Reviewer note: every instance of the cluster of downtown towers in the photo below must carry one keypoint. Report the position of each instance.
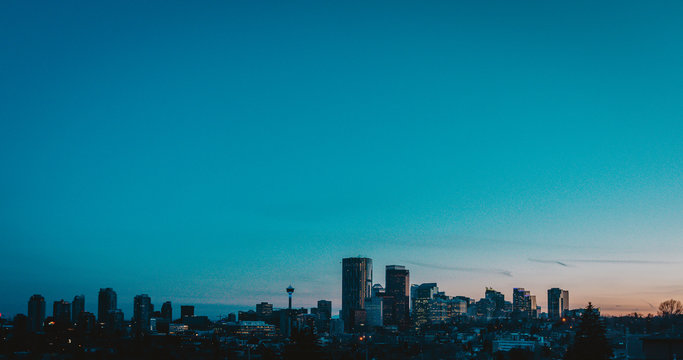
(402, 305)
(64, 312)
(398, 305)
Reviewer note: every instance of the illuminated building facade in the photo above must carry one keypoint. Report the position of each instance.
(356, 287)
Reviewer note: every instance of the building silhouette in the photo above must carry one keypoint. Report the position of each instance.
(36, 313)
(374, 307)
(287, 316)
(424, 293)
(186, 311)
(524, 304)
(497, 299)
(558, 303)
(77, 307)
(115, 320)
(324, 315)
(61, 312)
(167, 311)
(85, 322)
(106, 302)
(142, 312)
(397, 297)
(356, 285)
(264, 310)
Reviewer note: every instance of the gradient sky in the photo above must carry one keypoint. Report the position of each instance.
(212, 153)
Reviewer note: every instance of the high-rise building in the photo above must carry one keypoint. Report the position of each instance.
(36, 313)
(397, 300)
(460, 305)
(77, 307)
(424, 293)
(497, 299)
(85, 322)
(356, 284)
(324, 315)
(61, 312)
(519, 303)
(142, 312)
(186, 311)
(558, 303)
(523, 303)
(167, 311)
(440, 308)
(114, 320)
(413, 295)
(106, 302)
(374, 308)
(264, 310)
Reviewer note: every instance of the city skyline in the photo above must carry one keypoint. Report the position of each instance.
(212, 154)
(105, 302)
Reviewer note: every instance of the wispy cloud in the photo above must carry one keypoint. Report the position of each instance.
(549, 262)
(608, 261)
(566, 262)
(440, 240)
(649, 303)
(458, 268)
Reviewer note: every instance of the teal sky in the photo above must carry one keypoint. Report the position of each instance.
(212, 153)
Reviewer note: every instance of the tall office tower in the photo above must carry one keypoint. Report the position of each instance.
(523, 303)
(264, 310)
(77, 307)
(61, 312)
(397, 304)
(106, 302)
(356, 284)
(186, 311)
(167, 311)
(497, 299)
(424, 293)
(85, 322)
(36, 313)
(558, 303)
(142, 312)
(324, 315)
(114, 320)
(413, 294)
(520, 303)
(374, 308)
(533, 309)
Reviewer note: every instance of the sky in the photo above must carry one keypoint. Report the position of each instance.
(215, 152)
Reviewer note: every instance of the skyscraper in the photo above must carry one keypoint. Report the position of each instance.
(413, 295)
(36, 313)
(374, 307)
(533, 309)
(397, 301)
(167, 311)
(356, 284)
(77, 307)
(106, 302)
(523, 303)
(497, 299)
(61, 312)
(142, 312)
(519, 303)
(324, 315)
(558, 303)
(423, 295)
